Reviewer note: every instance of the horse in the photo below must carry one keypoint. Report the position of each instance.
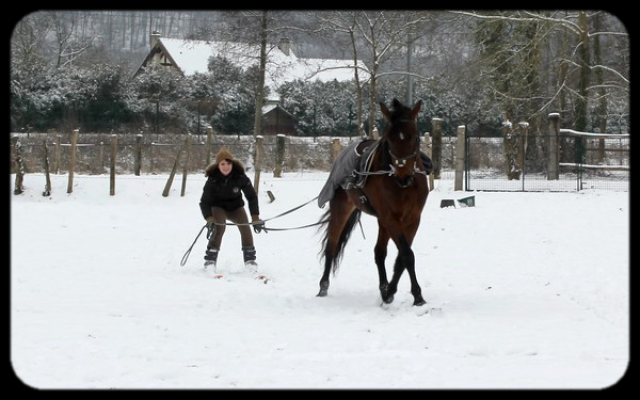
(395, 191)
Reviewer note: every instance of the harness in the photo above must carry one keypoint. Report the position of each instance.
(396, 163)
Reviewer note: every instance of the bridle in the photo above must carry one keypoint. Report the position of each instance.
(400, 162)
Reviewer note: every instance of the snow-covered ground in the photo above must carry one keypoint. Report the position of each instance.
(524, 290)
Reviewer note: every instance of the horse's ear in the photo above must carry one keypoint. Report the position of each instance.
(385, 111)
(416, 109)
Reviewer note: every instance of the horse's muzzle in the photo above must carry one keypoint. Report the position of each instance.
(404, 181)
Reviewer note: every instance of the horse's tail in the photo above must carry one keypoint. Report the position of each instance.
(344, 236)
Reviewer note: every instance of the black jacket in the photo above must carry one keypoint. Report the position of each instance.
(226, 191)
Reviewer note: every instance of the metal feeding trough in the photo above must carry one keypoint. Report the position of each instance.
(469, 201)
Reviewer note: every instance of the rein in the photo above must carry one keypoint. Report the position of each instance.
(277, 216)
(185, 257)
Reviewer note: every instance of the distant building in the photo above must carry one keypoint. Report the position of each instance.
(276, 119)
(192, 56)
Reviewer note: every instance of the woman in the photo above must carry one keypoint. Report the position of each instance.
(222, 200)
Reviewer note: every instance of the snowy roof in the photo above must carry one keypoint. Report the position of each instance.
(192, 56)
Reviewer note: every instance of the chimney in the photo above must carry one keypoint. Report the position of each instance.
(153, 39)
(285, 45)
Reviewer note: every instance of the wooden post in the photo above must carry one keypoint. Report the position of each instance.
(17, 158)
(510, 148)
(47, 185)
(167, 186)
(56, 155)
(210, 138)
(427, 144)
(101, 157)
(460, 150)
(375, 134)
(277, 171)
(72, 159)
(437, 147)
(257, 158)
(152, 162)
(523, 131)
(112, 169)
(553, 148)
(336, 148)
(185, 165)
(137, 160)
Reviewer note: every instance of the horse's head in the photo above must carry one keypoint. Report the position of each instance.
(402, 140)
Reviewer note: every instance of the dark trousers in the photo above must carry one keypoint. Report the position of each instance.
(237, 216)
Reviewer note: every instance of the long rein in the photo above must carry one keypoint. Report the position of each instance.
(185, 257)
(274, 217)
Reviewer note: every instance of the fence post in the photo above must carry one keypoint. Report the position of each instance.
(137, 161)
(101, 157)
(17, 158)
(72, 159)
(172, 175)
(112, 169)
(47, 185)
(185, 166)
(375, 135)
(336, 148)
(522, 145)
(56, 155)
(553, 159)
(427, 145)
(210, 139)
(437, 146)
(460, 150)
(277, 171)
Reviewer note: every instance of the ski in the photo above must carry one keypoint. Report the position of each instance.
(259, 277)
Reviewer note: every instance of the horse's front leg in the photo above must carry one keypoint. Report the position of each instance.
(406, 260)
(380, 255)
(410, 265)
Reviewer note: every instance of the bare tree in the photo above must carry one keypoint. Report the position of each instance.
(553, 43)
(377, 39)
(69, 45)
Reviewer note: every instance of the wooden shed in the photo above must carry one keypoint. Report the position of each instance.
(276, 119)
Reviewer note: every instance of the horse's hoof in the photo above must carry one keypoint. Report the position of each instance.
(388, 299)
(419, 302)
(322, 293)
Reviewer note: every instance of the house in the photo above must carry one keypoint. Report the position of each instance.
(192, 56)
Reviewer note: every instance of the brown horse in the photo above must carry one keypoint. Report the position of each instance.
(395, 192)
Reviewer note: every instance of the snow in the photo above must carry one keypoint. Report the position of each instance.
(523, 290)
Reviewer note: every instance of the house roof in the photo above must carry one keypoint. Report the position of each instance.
(270, 107)
(192, 56)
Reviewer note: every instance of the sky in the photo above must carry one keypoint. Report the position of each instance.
(523, 291)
